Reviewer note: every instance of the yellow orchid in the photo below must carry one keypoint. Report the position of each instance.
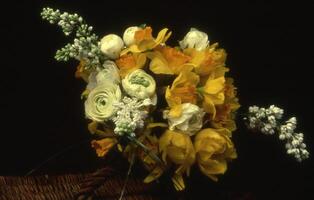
(167, 60)
(179, 149)
(103, 146)
(225, 113)
(130, 62)
(207, 60)
(144, 40)
(213, 149)
(213, 94)
(183, 89)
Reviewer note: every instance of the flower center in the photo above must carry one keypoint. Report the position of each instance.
(139, 80)
(101, 102)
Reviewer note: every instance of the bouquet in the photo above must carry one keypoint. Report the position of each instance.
(168, 107)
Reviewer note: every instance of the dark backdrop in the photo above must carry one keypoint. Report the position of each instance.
(270, 55)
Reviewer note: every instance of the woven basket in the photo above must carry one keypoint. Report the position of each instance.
(69, 187)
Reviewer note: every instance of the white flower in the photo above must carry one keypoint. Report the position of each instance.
(131, 115)
(139, 84)
(111, 45)
(109, 74)
(99, 105)
(128, 35)
(195, 39)
(190, 121)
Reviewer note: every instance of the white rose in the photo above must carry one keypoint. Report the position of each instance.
(111, 45)
(139, 84)
(190, 121)
(99, 105)
(128, 35)
(109, 73)
(195, 39)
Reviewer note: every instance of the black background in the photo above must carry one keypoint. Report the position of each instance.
(270, 55)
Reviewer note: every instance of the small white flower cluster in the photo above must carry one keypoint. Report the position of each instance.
(294, 141)
(85, 46)
(68, 22)
(266, 120)
(52, 16)
(130, 115)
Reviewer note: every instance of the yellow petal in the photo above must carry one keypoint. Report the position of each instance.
(159, 64)
(155, 174)
(103, 146)
(175, 111)
(162, 36)
(153, 125)
(214, 167)
(209, 106)
(214, 86)
(164, 140)
(178, 182)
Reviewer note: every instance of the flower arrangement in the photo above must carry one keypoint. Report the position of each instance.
(169, 107)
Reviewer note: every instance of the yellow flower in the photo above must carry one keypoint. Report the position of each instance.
(145, 41)
(167, 60)
(225, 113)
(207, 60)
(213, 94)
(103, 146)
(183, 89)
(178, 148)
(130, 62)
(213, 149)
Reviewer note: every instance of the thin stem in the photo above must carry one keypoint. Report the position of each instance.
(55, 156)
(128, 175)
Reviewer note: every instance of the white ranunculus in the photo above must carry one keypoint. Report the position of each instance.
(190, 121)
(99, 105)
(195, 39)
(111, 45)
(128, 35)
(139, 84)
(109, 73)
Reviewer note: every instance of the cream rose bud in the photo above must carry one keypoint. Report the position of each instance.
(128, 35)
(139, 84)
(99, 105)
(195, 39)
(190, 121)
(111, 45)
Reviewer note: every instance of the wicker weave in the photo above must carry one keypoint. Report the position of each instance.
(67, 187)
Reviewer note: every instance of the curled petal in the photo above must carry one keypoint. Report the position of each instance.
(103, 146)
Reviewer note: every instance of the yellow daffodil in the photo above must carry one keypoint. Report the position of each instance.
(144, 40)
(182, 90)
(213, 94)
(213, 149)
(225, 113)
(179, 149)
(167, 60)
(103, 146)
(130, 62)
(207, 60)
